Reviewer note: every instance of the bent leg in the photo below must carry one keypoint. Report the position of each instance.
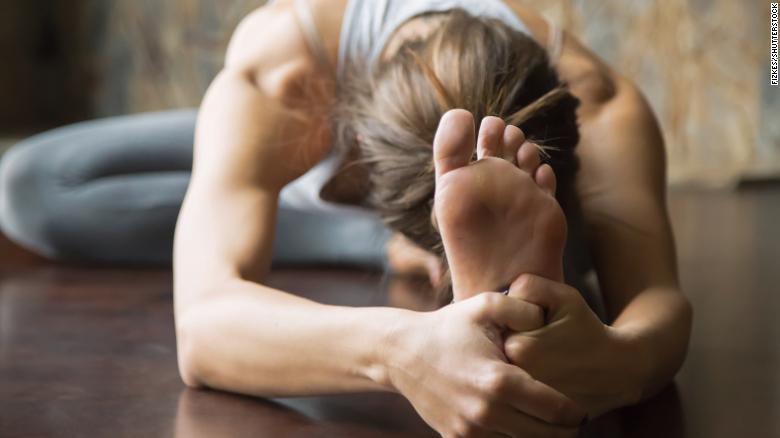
(316, 238)
(109, 191)
(105, 191)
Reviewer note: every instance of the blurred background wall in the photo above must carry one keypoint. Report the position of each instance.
(704, 66)
(68, 60)
(702, 63)
(44, 76)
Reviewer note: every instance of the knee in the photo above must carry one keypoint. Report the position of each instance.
(24, 182)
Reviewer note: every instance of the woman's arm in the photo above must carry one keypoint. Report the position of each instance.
(250, 141)
(258, 129)
(622, 190)
(622, 186)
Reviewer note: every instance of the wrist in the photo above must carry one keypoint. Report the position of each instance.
(390, 351)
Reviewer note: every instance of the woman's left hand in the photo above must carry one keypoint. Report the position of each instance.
(575, 353)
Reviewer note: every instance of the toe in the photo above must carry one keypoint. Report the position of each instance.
(513, 139)
(453, 145)
(491, 137)
(545, 178)
(528, 157)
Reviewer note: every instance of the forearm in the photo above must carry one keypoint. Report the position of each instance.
(256, 340)
(656, 326)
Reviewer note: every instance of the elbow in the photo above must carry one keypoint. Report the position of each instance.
(683, 323)
(188, 353)
(686, 317)
(198, 339)
(187, 371)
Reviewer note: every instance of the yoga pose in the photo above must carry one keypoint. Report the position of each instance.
(466, 140)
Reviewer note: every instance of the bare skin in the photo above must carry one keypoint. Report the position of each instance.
(237, 334)
(497, 220)
(500, 224)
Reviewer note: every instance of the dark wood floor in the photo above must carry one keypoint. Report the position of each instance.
(90, 352)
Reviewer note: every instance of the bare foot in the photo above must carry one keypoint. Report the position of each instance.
(497, 219)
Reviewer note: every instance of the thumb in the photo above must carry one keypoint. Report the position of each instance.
(510, 313)
(551, 296)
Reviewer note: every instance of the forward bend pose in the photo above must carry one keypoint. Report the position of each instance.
(499, 151)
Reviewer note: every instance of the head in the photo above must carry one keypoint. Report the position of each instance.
(460, 61)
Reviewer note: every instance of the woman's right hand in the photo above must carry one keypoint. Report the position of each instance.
(451, 366)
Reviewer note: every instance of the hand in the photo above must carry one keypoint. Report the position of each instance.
(574, 351)
(406, 258)
(450, 365)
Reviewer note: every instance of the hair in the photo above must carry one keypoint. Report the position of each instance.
(389, 114)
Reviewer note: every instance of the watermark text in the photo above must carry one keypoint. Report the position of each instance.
(773, 43)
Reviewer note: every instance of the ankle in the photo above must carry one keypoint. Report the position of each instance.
(462, 289)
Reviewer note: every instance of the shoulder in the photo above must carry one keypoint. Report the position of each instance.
(588, 77)
(622, 154)
(269, 104)
(269, 47)
(609, 99)
(621, 149)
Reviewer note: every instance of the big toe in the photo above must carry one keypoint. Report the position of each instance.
(490, 142)
(454, 143)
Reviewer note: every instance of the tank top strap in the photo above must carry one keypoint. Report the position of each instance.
(554, 42)
(313, 37)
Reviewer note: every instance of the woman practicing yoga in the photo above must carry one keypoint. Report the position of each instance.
(466, 140)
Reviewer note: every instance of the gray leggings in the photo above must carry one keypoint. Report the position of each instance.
(109, 191)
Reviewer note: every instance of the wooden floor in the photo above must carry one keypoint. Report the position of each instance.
(90, 352)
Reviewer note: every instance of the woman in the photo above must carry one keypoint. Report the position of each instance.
(327, 107)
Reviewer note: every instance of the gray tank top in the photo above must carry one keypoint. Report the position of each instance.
(369, 24)
(366, 28)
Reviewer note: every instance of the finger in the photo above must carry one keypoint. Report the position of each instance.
(453, 145)
(541, 401)
(510, 422)
(528, 157)
(513, 140)
(518, 349)
(547, 294)
(510, 313)
(545, 178)
(491, 137)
